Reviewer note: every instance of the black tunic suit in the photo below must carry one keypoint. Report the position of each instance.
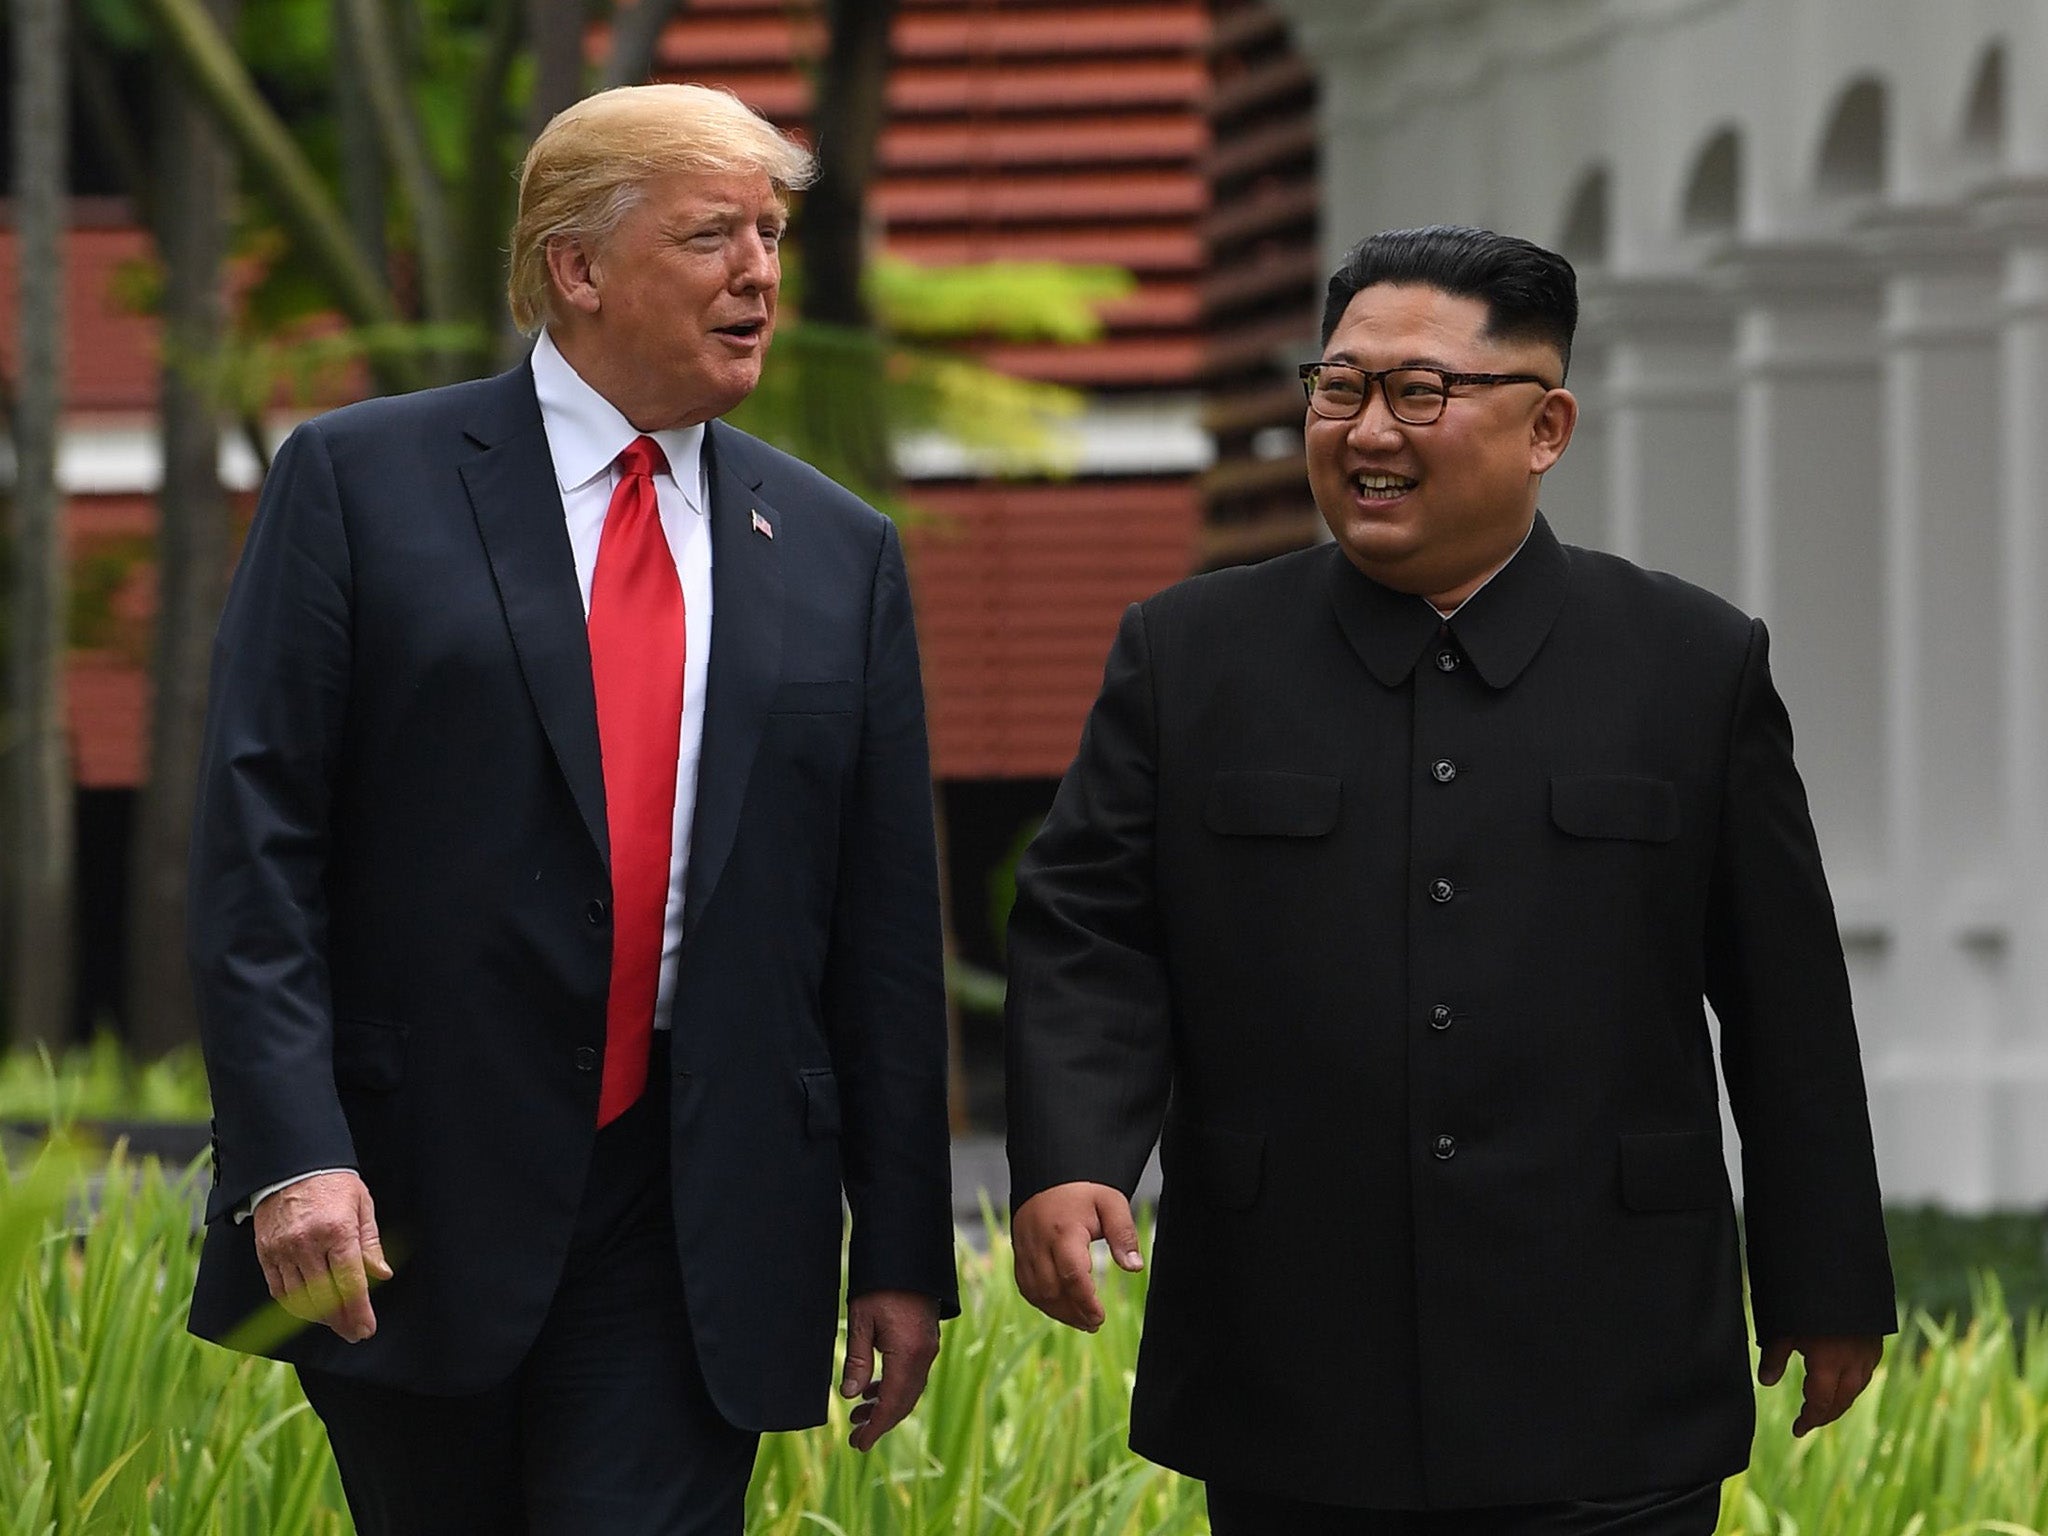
(1399, 931)
(400, 924)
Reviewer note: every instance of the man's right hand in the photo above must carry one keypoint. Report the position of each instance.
(317, 1241)
(1050, 1237)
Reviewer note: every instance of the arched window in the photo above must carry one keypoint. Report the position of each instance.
(1585, 238)
(1713, 193)
(1853, 150)
(1984, 113)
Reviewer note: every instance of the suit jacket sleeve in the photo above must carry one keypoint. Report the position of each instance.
(884, 984)
(1813, 1221)
(1088, 1020)
(257, 916)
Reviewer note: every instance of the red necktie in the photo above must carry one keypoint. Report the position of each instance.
(636, 664)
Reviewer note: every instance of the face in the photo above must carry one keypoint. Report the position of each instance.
(670, 317)
(1435, 510)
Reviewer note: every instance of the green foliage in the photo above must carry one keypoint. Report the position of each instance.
(1014, 300)
(1002, 883)
(835, 396)
(1935, 1252)
(99, 1082)
(122, 1423)
(1951, 1436)
(120, 22)
(245, 375)
(98, 575)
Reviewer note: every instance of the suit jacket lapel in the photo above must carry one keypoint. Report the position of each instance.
(745, 661)
(511, 486)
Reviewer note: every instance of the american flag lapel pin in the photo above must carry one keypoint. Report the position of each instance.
(761, 524)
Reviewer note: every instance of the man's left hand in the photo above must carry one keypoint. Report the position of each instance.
(904, 1326)
(1838, 1367)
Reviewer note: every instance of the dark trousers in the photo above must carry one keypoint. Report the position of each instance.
(1674, 1512)
(606, 1429)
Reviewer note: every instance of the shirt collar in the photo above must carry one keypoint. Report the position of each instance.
(1500, 627)
(586, 432)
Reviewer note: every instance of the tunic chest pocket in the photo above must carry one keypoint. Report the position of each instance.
(1265, 803)
(1640, 810)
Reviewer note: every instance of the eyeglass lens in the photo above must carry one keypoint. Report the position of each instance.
(1414, 395)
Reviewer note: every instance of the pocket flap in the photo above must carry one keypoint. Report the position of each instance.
(1673, 1171)
(368, 1053)
(820, 698)
(1615, 805)
(1260, 803)
(821, 1101)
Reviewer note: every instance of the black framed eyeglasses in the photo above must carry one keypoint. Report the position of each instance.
(1338, 391)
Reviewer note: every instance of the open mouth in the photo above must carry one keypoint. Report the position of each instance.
(1380, 487)
(744, 330)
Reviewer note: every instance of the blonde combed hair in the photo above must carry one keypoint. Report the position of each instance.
(591, 164)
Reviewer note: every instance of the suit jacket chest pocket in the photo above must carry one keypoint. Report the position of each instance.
(1269, 803)
(1615, 807)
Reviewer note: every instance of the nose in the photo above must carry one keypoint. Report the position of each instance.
(754, 264)
(1375, 421)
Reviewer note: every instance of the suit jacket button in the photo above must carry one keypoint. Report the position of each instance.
(1443, 770)
(1441, 890)
(1448, 661)
(1445, 1148)
(1440, 1017)
(586, 1058)
(594, 912)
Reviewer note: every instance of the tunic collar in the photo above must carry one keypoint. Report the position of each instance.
(1500, 627)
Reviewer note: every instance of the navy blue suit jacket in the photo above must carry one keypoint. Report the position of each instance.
(400, 928)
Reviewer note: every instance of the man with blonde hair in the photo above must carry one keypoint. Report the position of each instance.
(564, 906)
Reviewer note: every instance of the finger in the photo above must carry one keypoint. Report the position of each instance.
(1075, 1272)
(297, 1296)
(371, 1241)
(860, 1353)
(1823, 1399)
(1114, 1212)
(322, 1296)
(1037, 1280)
(891, 1406)
(273, 1277)
(1770, 1365)
(353, 1319)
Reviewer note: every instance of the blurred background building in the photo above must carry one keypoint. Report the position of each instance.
(1813, 242)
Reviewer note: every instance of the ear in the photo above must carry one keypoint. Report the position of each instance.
(573, 271)
(1550, 429)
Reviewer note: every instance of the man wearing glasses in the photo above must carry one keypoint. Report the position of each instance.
(1387, 892)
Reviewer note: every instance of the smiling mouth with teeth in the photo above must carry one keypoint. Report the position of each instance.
(1382, 487)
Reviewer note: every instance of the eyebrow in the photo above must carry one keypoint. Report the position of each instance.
(724, 213)
(1350, 360)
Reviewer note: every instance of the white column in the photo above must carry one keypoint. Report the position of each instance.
(2016, 213)
(1935, 1057)
(1669, 403)
(1575, 492)
(1810, 541)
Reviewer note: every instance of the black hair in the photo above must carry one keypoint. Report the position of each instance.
(1530, 294)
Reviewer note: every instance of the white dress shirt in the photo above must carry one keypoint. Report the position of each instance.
(586, 434)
